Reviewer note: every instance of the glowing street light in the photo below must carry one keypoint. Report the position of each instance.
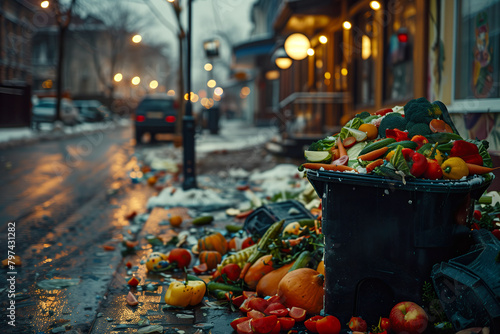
(323, 39)
(44, 4)
(211, 83)
(347, 25)
(153, 84)
(296, 46)
(118, 77)
(375, 5)
(136, 81)
(137, 38)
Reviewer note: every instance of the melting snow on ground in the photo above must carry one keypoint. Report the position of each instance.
(193, 198)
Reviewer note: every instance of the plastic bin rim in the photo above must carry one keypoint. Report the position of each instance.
(459, 186)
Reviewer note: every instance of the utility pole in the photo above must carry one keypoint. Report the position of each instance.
(188, 130)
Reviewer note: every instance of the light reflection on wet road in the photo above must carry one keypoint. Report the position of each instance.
(68, 199)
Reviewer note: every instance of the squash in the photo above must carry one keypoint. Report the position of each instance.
(260, 268)
(321, 267)
(268, 285)
(213, 242)
(303, 288)
(210, 258)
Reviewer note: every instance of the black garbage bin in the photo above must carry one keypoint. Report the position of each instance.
(383, 236)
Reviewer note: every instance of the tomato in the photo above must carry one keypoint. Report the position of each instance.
(244, 327)
(349, 142)
(274, 306)
(201, 268)
(279, 313)
(181, 256)
(385, 324)
(299, 314)
(274, 299)
(236, 321)
(276, 329)
(311, 323)
(328, 325)
(244, 306)
(232, 271)
(382, 112)
(247, 243)
(264, 325)
(287, 323)
(357, 324)
(133, 281)
(237, 301)
(258, 304)
(249, 294)
(254, 314)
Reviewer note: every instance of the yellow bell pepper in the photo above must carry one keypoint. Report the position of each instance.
(183, 294)
(454, 168)
(439, 156)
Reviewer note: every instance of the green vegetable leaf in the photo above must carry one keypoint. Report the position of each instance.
(354, 123)
(399, 162)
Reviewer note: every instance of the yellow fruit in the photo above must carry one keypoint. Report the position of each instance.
(176, 221)
(321, 268)
(292, 228)
(152, 263)
(152, 180)
(370, 129)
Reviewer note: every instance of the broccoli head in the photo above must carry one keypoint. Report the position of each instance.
(421, 111)
(363, 115)
(391, 122)
(418, 129)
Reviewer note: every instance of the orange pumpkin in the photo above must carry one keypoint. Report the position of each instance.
(303, 288)
(214, 242)
(268, 285)
(210, 258)
(260, 268)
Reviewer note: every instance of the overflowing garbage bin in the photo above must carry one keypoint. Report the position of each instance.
(383, 236)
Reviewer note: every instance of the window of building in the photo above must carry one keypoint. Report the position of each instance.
(398, 58)
(363, 55)
(477, 71)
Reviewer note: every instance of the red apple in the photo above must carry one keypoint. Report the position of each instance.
(409, 318)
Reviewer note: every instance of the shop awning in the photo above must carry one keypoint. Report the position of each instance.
(254, 48)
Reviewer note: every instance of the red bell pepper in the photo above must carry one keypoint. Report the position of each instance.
(419, 164)
(420, 140)
(397, 134)
(433, 170)
(469, 152)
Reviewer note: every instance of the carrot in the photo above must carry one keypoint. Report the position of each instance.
(245, 269)
(337, 168)
(437, 125)
(372, 165)
(476, 169)
(373, 155)
(342, 150)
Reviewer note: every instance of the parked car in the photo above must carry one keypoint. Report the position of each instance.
(92, 110)
(45, 112)
(155, 114)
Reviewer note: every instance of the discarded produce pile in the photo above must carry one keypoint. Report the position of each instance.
(418, 140)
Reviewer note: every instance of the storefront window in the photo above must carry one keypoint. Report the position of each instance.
(364, 52)
(477, 70)
(398, 78)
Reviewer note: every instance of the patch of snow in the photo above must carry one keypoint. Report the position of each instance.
(206, 199)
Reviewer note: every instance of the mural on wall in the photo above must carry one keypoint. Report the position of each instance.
(482, 75)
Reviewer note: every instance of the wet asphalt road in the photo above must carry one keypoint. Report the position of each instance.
(62, 201)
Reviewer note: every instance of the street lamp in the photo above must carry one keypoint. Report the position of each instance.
(281, 59)
(136, 38)
(296, 46)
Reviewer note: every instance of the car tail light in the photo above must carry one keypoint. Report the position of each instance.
(140, 118)
(170, 119)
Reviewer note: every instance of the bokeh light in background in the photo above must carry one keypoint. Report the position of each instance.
(137, 39)
(136, 81)
(153, 84)
(118, 77)
(208, 67)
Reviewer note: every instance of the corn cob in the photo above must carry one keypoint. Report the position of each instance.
(240, 257)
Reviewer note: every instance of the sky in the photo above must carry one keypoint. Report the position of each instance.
(228, 21)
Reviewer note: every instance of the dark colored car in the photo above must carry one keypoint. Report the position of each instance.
(155, 114)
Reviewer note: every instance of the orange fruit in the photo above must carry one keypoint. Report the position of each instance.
(176, 221)
(370, 129)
